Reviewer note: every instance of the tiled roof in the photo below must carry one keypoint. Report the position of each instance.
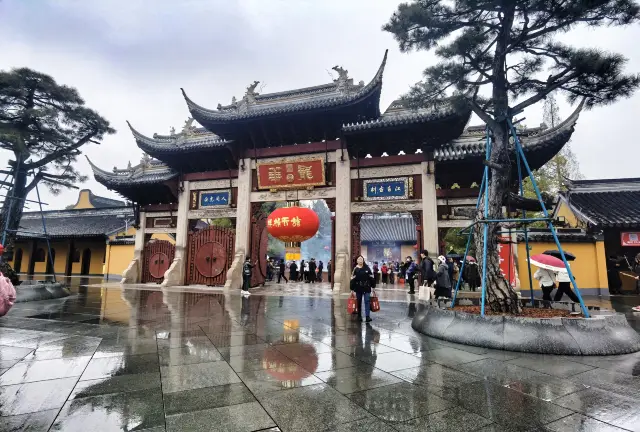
(103, 202)
(253, 105)
(76, 223)
(192, 139)
(398, 114)
(564, 235)
(474, 145)
(616, 208)
(147, 172)
(383, 228)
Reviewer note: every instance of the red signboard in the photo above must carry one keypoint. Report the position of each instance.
(507, 263)
(287, 174)
(630, 238)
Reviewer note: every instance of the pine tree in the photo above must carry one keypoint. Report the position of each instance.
(44, 125)
(499, 57)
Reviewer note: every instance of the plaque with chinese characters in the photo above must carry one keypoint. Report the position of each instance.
(218, 198)
(291, 174)
(387, 189)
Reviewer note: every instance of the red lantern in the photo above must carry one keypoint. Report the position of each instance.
(293, 224)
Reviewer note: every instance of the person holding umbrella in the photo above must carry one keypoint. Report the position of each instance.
(562, 276)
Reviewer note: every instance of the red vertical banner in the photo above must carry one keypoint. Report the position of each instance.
(507, 262)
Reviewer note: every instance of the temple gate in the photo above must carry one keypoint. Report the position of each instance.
(210, 255)
(327, 142)
(157, 256)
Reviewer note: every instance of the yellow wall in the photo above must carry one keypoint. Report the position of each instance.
(118, 259)
(589, 268)
(569, 216)
(83, 200)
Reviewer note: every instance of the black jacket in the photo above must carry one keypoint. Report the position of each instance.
(363, 280)
(312, 266)
(426, 268)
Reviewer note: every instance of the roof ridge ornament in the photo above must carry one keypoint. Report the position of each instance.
(188, 129)
(250, 96)
(343, 79)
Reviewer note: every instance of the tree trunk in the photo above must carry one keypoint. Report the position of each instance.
(501, 297)
(12, 208)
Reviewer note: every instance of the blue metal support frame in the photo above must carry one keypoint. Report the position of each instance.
(466, 251)
(585, 312)
(526, 234)
(44, 229)
(486, 224)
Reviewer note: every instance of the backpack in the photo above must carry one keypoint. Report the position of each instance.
(7, 295)
(246, 270)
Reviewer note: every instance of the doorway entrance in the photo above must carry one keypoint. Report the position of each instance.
(86, 262)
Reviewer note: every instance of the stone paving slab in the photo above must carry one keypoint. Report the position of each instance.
(289, 362)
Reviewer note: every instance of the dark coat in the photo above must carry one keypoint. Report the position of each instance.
(312, 267)
(426, 268)
(363, 280)
(471, 274)
(442, 277)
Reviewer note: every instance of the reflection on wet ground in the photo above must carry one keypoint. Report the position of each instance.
(286, 358)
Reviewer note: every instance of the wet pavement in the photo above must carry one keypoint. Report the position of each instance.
(286, 358)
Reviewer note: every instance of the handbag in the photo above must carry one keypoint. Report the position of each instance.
(352, 304)
(374, 303)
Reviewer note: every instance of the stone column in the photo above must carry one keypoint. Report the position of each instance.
(342, 263)
(175, 275)
(243, 225)
(133, 272)
(429, 208)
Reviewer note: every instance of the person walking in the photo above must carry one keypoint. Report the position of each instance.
(545, 279)
(426, 268)
(471, 275)
(312, 270)
(613, 276)
(361, 282)
(376, 272)
(329, 271)
(293, 271)
(247, 270)
(410, 273)
(320, 268)
(636, 269)
(301, 275)
(443, 282)
(384, 273)
(564, 287)
(281, 271)
(306, 271)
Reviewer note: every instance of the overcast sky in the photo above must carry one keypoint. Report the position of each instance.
(129, 58)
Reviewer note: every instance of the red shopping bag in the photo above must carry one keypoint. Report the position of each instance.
(352, 304)
(374, 303)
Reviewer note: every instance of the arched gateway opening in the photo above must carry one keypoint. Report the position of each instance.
(326, 142)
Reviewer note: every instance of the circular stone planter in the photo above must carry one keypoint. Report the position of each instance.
(600, 335)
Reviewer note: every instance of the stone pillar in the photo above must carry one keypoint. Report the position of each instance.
(133, 272)
(175, 274)
(429, 208)
(342, 262)
(243, 225)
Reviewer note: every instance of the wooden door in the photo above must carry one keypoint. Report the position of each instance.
(259, 245)
(210, 256)
(156, 260)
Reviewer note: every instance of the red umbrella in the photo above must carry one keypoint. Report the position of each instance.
(547, 262)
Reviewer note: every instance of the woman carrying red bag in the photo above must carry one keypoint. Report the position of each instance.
(361, 282)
